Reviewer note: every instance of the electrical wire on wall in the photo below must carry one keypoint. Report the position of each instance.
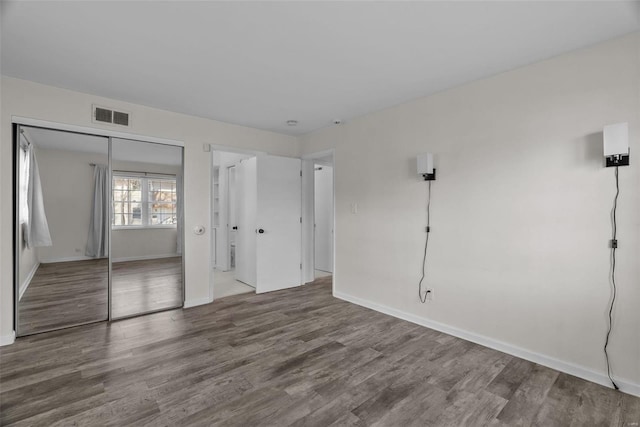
(423, 299)
(614, 246)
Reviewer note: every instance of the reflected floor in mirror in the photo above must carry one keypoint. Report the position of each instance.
(65, 294)
(146, 285)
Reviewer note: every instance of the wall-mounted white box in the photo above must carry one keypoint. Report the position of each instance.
(616, 139)
(425, 163)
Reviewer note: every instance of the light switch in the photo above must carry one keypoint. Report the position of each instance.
(354, 208)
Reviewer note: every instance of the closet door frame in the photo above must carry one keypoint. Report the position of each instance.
(110, 193)
(17, 123)
(16, 222)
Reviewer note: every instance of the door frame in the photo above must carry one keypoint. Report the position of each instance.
(308, 213)
(213, 148)
(321, 165)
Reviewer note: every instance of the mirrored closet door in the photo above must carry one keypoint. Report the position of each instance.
(98, 228)
(61, 229)
(146, 232)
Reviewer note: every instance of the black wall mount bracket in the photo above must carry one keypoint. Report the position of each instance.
(618, 160)
(429, 176)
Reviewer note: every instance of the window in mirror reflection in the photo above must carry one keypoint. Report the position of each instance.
(140, 201)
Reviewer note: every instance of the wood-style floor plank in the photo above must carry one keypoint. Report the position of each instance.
(297, 357)
(64, 294)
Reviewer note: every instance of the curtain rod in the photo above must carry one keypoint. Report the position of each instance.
(142, 173)
(146, 173)
(25, 137)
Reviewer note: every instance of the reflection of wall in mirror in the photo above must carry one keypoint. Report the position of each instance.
(67, 181)
(28, 264)
(67, 188)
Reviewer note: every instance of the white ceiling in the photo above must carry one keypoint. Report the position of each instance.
(261, 63)
(66, 141)
(122, 149)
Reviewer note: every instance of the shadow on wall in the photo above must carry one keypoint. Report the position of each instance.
(589, 150)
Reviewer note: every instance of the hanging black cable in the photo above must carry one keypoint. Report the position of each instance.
(614, 246)
(426, 244)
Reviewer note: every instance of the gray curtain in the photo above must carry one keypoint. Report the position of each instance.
(36, 228)
(179, 209)
(97, 243)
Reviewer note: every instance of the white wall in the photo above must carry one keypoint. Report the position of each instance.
(126, 166)
(520, 209)
(28, 99)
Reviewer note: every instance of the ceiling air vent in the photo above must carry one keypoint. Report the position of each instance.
(106, 115)
(103, 115)
(120, 118)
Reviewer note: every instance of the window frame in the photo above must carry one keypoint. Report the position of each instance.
(145, 199)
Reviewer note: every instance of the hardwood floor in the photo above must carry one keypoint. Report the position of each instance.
(296, 357)
(147, 285)
(69, 293)
(63, 294)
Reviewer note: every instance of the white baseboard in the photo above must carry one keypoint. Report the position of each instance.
(7, 339)
(541, 359)
(197, 301)
(123, 259)
(66, 259)
(145, 257)
(25, 284)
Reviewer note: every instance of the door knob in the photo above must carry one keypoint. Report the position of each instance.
(260, 230)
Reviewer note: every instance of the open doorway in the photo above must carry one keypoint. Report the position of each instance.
(323, 219)
(318, 213)
(233, 196)
(257, 221)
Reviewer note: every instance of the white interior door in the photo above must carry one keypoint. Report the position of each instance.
(246, 199)
(323, 213)
(279, 230)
